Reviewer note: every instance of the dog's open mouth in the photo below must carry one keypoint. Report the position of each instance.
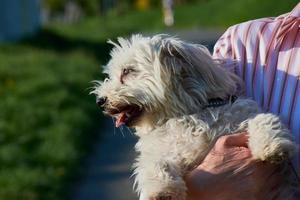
(125, 115)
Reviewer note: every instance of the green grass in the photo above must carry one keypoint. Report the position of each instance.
(202, 13)
(47, 117)
(223, 13)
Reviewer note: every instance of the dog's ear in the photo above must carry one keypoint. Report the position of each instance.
(194, 72)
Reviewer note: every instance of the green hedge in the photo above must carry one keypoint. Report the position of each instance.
(46, 115)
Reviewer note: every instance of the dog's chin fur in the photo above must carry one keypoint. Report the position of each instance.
(172, 81)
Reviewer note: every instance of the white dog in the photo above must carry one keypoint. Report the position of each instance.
(179, 101)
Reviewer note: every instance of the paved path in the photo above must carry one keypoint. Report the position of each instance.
(106, 171)
(206, 37)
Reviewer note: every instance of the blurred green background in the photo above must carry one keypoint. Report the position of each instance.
(50, 51)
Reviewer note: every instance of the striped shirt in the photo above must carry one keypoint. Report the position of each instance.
(267, 52)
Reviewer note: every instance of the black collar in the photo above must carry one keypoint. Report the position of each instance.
(216, 102)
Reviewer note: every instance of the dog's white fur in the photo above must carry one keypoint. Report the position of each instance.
(172, 82)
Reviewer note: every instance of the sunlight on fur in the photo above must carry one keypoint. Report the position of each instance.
(160, 86)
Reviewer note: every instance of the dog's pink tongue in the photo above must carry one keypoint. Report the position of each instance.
(120, 119)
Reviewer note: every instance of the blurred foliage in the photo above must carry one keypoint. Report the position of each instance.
(212, 9)
(203, 13)
(47, 115)
(93, 7)
(223, 13)
(55, 5)
(89, 7)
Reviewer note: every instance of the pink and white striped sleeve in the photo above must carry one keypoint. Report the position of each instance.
(265, 51)
(223, 49)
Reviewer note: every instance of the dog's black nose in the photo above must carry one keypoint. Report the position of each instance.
(101, 101)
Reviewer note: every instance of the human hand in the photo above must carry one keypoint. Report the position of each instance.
(228, 172)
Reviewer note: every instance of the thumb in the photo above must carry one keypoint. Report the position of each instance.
(237, 140)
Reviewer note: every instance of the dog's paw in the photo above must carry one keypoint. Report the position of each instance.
(269, 140)
(279, 153)
(167, 196)
(278, 158)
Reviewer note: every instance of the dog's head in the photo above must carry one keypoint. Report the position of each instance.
(152, 79)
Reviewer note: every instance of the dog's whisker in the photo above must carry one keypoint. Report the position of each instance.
(121, 130)
(113, 121)
(129, 130)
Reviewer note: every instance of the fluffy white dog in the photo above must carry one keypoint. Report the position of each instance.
(179, 100)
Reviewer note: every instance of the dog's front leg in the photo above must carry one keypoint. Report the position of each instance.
(160, 180)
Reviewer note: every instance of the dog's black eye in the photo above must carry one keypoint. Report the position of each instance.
(125, 72)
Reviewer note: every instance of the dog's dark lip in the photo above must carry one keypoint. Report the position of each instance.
(125, 114)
